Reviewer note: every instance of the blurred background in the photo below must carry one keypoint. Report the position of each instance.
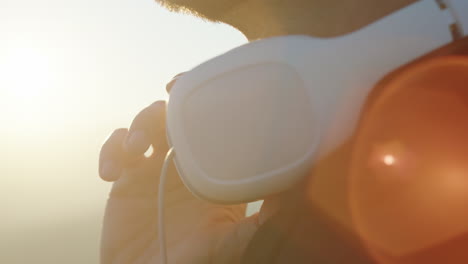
(70, 73)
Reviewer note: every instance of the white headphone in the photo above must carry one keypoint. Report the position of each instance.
(251, 122)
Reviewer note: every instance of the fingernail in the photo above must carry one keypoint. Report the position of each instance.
(170, 85)
(110, 171)
(159, 104)
(172, 82)
(137, 143)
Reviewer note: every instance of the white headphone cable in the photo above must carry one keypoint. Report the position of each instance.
(161, 228)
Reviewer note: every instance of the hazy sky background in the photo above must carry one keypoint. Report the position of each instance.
(70, 73)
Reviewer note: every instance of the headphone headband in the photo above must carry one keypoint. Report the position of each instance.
(252, 122)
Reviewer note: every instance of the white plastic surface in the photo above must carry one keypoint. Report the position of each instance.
(251, 122)
(459, 8)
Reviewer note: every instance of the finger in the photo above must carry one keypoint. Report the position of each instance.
(172, 82)
(148, 128)
(111, 156)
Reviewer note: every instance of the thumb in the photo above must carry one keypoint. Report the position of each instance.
(148, 128)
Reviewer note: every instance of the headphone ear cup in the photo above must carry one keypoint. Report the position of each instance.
(409, 167)
(245, 133)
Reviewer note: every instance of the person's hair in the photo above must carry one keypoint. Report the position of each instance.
(207, 10)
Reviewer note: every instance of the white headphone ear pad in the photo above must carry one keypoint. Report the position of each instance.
(243, 134)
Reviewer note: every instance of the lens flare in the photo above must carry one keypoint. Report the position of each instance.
(389, 159)
(408, 173)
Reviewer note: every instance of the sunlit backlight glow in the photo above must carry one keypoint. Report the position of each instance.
(28, 87)
(26, 74)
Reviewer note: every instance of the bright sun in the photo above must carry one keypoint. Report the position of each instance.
(26, 74)
(27, 83)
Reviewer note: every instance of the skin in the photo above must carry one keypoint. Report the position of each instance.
(197, 231)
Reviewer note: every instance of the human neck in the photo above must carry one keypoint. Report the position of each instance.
(258, 19)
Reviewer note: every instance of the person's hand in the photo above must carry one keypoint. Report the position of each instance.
(197, 231)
